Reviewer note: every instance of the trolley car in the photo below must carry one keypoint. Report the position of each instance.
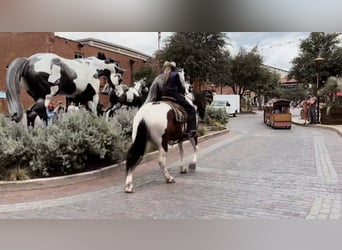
(277, 113)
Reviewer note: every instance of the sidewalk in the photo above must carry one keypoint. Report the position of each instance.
(298, 121)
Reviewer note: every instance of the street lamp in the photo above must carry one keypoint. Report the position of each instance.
(318, 60)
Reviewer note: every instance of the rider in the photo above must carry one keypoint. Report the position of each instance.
(173, 87)
(154, 93)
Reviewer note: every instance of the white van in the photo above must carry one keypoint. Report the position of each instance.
(231, 103)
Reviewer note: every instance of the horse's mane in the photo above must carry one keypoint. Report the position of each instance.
(200, 102)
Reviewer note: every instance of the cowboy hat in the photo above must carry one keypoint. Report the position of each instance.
(173, 65)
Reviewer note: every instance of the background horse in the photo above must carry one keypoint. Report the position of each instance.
(157, 122)
(123, 95)
(45, 75)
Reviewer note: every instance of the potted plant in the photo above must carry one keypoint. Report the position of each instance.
(331, 111)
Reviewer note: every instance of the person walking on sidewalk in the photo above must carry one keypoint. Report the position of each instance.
(312, 110)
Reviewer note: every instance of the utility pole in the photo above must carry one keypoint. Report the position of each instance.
(159, 37)
(318, 60)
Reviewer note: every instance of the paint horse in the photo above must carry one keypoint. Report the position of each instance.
(163, 124)
(45, 75)
(123, 95)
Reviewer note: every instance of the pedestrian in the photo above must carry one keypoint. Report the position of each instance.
(51, 114)
(312, 109)
(60, 110)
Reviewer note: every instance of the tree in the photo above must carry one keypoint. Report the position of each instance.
(246, 71)
(147, 72)
(222, 69)
(197, 52)
(318, 44)
(265, 85)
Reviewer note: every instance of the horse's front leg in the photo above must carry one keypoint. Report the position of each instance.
(193, 141)
(93, 104)
(129, 181)
(38, 109)
(30, 118)
(182, 168)
(162, 164)
(53, 91)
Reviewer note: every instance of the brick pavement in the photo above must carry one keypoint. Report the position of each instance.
(235, 178)
(323, 207)
(57, 187)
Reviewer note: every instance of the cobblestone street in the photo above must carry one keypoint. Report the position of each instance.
(252, 171)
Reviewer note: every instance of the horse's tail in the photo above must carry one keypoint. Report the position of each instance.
(14, 73)
(137, 150)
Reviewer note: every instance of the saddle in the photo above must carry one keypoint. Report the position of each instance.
(180, 113)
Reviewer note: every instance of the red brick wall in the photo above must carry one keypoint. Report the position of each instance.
(225, 90)
(14, 45)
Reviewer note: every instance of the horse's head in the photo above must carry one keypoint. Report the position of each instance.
(120, 93)
(110, 69)
(200, 102)
(181, 74)
(141, 86)
(187, 86)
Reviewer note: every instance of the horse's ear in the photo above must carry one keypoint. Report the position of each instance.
(101, 56)
(119, 70)
(109, 60)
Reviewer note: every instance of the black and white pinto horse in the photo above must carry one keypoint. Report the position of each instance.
(123, 95)
(157, 122)
(45, 75)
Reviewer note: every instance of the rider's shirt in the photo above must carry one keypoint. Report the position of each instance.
(173, 86)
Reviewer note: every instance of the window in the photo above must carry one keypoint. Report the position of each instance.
(78, 55)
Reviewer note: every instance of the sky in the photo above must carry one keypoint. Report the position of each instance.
(277, 48)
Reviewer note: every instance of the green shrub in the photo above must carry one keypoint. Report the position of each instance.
(123, 120)
(78, 142)
(202, 130)
(15, 144)
(15, 174)
(215, 115)
(69, 145)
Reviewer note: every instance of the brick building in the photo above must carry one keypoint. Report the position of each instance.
(14, 45)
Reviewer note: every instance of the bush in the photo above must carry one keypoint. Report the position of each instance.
(202, 130)
(76, 143)
(15, 144)
(215, 115)
(123, 120)
(69, 145)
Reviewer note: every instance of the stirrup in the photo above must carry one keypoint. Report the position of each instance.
(191, 133)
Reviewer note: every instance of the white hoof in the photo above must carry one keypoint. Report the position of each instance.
(129, 189)
(171, 180)
(182, 170)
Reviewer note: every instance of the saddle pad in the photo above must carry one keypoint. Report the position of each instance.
(180, 113)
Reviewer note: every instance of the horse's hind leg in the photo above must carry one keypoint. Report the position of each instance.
(30, 118)
(129, 182)
(182, 168)
(162, 164)
(193, 141)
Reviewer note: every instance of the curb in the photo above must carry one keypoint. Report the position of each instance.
(319, 126)
(43, 183)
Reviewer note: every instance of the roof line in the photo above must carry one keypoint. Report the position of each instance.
(89, 39)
